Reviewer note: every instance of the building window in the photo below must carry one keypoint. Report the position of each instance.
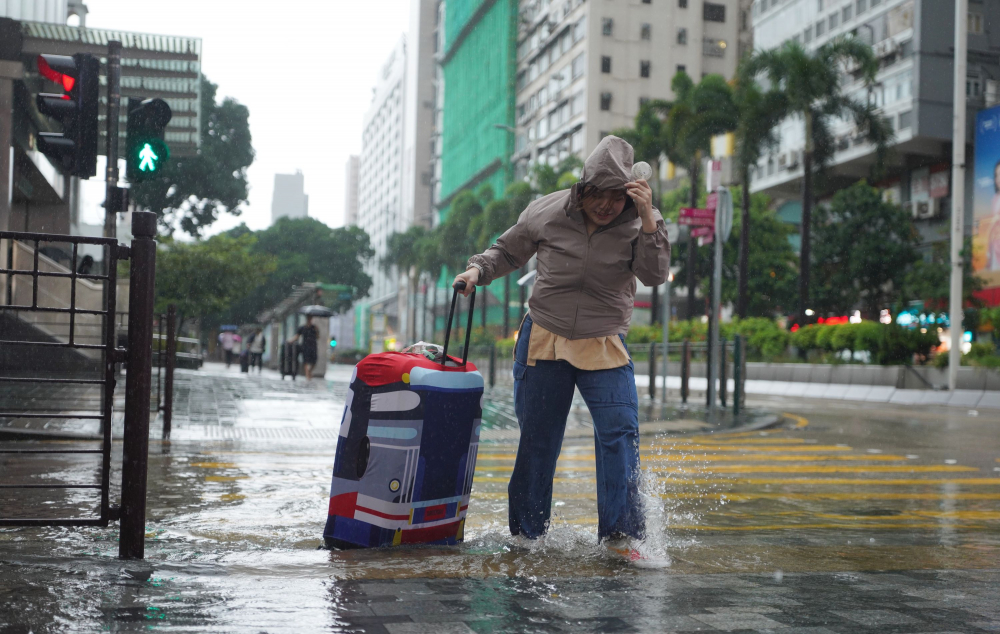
(975, 23)
(834, 20)
(646, 31)
(607, 26)
(605, 64)
(714, 12)
(578, 66)
(906, 120)
(682, 36)
(712, 47)
(847, 13)
(579, 29)
(681, 68)
(860, 6)
(644, 68)
(643, 101)
(605, 101)
(808, 37)
(819, 5)
(875, 3)
(682, 4)
(647, 1)
(820, 28)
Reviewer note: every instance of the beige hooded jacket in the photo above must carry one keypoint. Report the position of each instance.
(585, 284)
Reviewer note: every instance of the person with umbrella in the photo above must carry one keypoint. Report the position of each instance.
(307, 337)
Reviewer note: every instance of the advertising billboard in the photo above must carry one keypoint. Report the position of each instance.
(986, 198)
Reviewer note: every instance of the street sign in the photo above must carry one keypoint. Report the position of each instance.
(724, 215)
(696, 217)
(712, 201)
(699, 232)
(673, 232)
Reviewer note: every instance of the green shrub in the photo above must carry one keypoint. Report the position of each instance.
(805, 338)
(769, 344)
(645, 334)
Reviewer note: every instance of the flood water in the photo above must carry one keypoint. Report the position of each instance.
(238, 500)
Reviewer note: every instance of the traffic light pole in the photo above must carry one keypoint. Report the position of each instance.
(114, 108)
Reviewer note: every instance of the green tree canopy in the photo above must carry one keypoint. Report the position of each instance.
(864, 247)
(306, 250)
(205, 278)
(192, 191)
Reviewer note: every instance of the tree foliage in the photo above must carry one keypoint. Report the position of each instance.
(192, 191)
(864, 247)
(205, 278)
(306, 250)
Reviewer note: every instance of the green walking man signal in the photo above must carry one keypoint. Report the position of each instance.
(147, 159)
(146, 151)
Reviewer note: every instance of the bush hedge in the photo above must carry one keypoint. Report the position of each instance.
(886, 343)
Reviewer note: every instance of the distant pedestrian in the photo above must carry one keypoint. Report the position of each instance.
(257, 343)
(227, 340)
(86, 265)
(307, 337)
(592, 241)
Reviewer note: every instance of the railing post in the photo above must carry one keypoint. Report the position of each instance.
(138, 384)
(652, 369)
(158, 353)
(493, 364)
(737, 373)
(168, 381)
(723, 379)
(685, 371)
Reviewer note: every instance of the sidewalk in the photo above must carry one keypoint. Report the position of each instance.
(969, 399)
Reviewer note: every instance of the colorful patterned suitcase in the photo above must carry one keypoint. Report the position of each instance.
(407, 449)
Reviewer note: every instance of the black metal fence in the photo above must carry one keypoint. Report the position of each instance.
(59, 353)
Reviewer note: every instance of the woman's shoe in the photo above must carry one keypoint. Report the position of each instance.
(632, 552)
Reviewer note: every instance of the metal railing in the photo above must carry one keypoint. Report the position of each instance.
(48, 315)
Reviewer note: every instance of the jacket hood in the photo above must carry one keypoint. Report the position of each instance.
(609, 166)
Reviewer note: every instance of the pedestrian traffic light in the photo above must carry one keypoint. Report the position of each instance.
(75, 148)
(333, 342)
(145, 149)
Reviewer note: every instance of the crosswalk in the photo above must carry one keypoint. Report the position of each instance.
(779, 479)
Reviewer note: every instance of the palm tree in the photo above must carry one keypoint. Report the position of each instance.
(812, 82)
(759, 115)
(498, 216)
(402, 253)
(700, 111)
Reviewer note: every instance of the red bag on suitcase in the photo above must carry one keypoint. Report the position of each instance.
(407, 449)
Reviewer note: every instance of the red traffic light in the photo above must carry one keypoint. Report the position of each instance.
(56, 68)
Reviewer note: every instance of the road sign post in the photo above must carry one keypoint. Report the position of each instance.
(723, 227)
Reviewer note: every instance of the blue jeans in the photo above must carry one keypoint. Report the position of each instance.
(543, 394)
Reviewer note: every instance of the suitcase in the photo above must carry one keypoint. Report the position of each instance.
(288, 360)
(406, 453)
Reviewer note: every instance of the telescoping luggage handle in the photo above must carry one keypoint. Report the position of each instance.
(459, 286)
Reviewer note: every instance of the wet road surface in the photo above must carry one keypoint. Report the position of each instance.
(842, 518)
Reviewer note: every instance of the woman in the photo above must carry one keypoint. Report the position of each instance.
(592, 241)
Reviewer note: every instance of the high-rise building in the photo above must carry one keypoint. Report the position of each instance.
(585, 68)
(394, 177)
(351, 191)
(913, 41)
(289, 199)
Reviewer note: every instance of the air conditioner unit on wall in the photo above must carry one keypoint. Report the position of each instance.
(793, 160)
(923, 209)
(782, 160)
(884, 48)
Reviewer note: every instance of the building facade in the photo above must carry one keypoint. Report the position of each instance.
(351, 191)
(913, 41)
(585, 68)
(289, 199)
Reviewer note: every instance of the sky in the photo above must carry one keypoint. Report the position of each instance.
(304, 68)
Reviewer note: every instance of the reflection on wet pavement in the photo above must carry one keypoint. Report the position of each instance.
(840, 518)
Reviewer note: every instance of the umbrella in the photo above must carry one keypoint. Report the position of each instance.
(316, 311)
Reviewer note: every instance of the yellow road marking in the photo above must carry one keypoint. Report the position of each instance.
(875, 468)
(721, 458)
(752, 468)
(225, 478)
(787, 481)
(214, 465)
(744, 497)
